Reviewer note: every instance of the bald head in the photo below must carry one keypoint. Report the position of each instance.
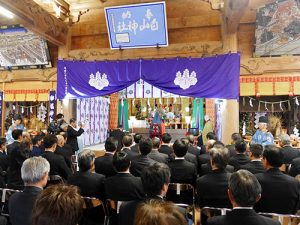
(60, 140)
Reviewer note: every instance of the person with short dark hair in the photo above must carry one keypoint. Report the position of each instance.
(127, 143)
(123, 186)
(73, 133)
(240, 158)
(37, 142)
(188, 156)
(244, 191)
(155, 154)
(191, 147)
(118, 134)
(235, 137)
(59, 205)
(90, 184)
(135, 147)
(165, 146)
(143, 160)
(280, 192)
(255, 165)
(16, 125)
(58, 165)
(104, 164)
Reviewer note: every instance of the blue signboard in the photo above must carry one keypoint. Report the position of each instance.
(137, 26)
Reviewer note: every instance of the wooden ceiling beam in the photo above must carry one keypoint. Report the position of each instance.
(38, 20)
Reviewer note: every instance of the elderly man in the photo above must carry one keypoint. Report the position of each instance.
(289, 153)
(63, 151)
(262, 135)
(244, 191)
(34, 174)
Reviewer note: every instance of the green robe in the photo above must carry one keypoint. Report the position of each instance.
(208, 127)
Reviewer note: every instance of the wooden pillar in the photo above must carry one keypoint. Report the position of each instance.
(113, 111)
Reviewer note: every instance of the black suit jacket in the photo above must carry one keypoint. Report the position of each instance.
(72, 137)
(3, 161)
(158, 157)
(193, 150)
(90, 184)
(20, 205)
(118, 134)
(295, 167)
(206, 168)
(238, 160)
(183, 171)
(130, 153)
(242, 216)
(139, 163)
(231, 149)
(212, 189)
(135, 148)
(280, 192)
(165, 149)
(124, 187)
(58, 165)
(66, 153)
(191, 158)
(254, 167)
(103, 165)
(289, 153)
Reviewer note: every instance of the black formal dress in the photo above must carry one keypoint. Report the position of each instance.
(157, 156)
(130, 153)
(104, 165)
(254, 167)
(206, 169)
(183, 172)
(20, 205)
(72, 137)
(58, 165)
(165, 149)
(238, 160)
(139, 163)
(242, 216)
(280, 192)
(124, 187)
(289, 153)
(66, 153)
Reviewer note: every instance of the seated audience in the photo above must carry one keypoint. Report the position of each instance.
(188, 156)
(118, 134)
(158, 212)
(3, 155)
(103, 164)
(182, 171)
(58, 164)
(142, 161)
(155, 154)
(295, 167)
(235, 137)
(212, 187)
(165, 146)
(123, 186)
(289, 153)
(240, 158)
(135, 147)
(192, 149)
(34, 174)
(127, 142)
(58, 205)
(244, 191)
(36, 149)
(64, 152)
(205, 158)
(90, 184)
(280, 192)
(209, 136)
(255, 165)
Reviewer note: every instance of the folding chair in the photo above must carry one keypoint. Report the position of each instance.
(112, 207)
(5, 195)
(93, 207)
(284, 219)
(180, 190)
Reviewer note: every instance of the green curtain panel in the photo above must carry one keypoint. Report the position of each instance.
(198, 117)
(123, 114)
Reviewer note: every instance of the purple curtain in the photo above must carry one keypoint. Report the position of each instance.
(213, 77)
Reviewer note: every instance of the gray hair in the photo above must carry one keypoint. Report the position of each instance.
(285, 139)
(210, 144)
(219, 157)
(34, 169)
(86, 159)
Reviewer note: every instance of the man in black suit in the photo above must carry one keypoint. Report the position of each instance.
(123, 186)
(90, 184)
(289, 153)
(235, 137)
(244, 191)
(58, 165)
(16, 156)
(118, 134)
(155, 154)
(142, 161)
(240, 158)
(188, 156)
(192, 149)
(165, 146)
(182, 171)
(103, 164)
(295, 167)
(135, 147)
(255, 165)
(212, 187)
(35, 175)
(127, 143)
(3, 155)
(280, 192)
(73, 134)
(209, 136)
(61, 150)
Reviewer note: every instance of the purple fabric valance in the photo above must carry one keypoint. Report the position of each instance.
(213, 77)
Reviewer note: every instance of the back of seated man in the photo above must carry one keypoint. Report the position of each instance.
(289, 153)
(123, 186)
(256, 165)
(244, 191)
(240, 158)
(127, 143)
(37, 142)
(235, 137)
(118, 134)
(192, 149)
(205, 158)
(165, 146)
(135, 147)
(64, 152)
(103, 164)
(155, 154)
(280, 192)
(209, 136)
(58, 164)
(34, 173)
(188, 156)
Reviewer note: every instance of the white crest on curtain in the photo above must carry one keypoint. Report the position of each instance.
(99, 81)
(185, 80)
